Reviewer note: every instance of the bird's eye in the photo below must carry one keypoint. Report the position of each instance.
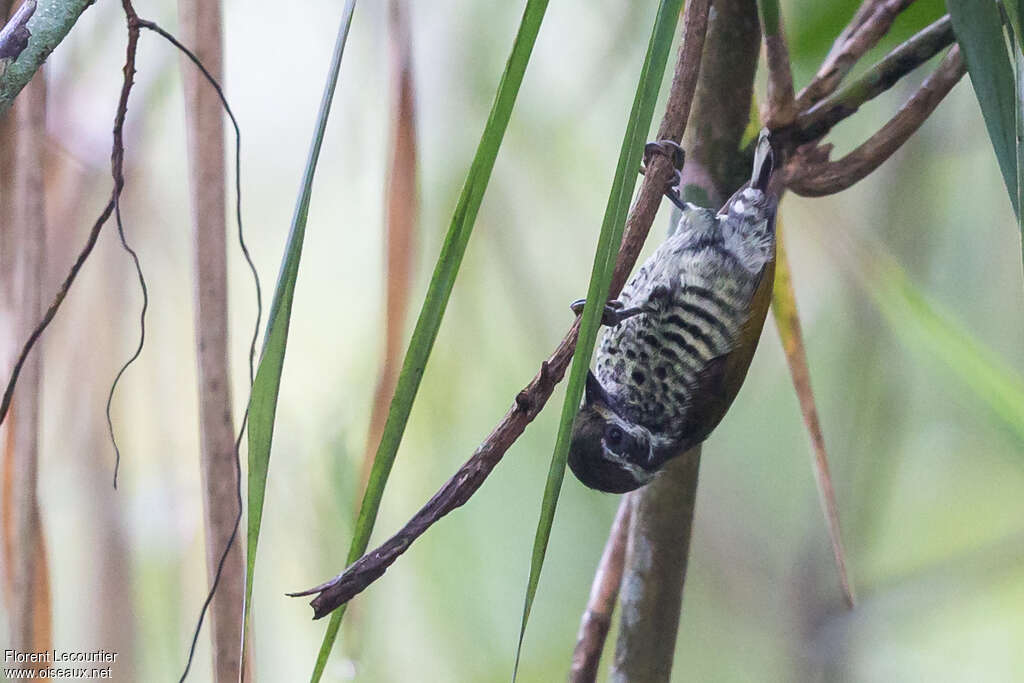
(613, 436)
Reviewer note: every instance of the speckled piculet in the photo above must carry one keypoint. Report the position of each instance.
(681, 337)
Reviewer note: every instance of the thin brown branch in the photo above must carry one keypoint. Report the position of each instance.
(657, 555)
(58, 299)
(604, 592)
(872, 21)
(228, 544)
(788, 324)
(822, 117)
(117, 172)
(811, 174)
(780, 106)
(529, 402)
(201, 27)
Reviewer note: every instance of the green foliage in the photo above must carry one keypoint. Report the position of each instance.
(769, 16)
(979, 30)
(438, 293)
(263, 400)
(1014, 12)
(600, 279)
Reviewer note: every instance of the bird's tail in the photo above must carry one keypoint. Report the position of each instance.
(763, 162)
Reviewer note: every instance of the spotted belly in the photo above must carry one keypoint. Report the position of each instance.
(651, 364)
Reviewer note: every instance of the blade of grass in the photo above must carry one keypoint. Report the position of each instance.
(787, 320)
(438, 293)
(1013, 11)
(263, 399)
(604, 261)
(979, 30)
(1018, 64)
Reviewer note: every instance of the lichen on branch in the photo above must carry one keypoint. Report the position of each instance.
(50, 23)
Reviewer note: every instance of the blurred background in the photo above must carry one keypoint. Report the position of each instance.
(928, 467)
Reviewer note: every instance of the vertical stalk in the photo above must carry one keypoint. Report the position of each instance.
(201, 29)
(26, 575)
(652, 585)
(662, 518)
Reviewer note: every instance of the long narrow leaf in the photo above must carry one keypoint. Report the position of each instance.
(979, 30)
(1013, 13)
(263, 400)
(438, 293)
(787, 320)
(597, 293)
(1018, 68)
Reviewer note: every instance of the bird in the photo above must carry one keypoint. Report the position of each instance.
(680, 337)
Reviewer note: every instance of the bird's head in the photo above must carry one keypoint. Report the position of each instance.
(609, 452)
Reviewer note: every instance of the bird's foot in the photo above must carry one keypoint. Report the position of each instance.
(677, 155)
(670, 148)
(614, 311)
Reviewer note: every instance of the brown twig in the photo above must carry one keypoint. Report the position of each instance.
(117, 172)
(529, 402)
(134, 26)
(872, 21)
(780, 106)
(810, 174)
(657, 555)
(819, 119)
(229, 543)
(604, 592)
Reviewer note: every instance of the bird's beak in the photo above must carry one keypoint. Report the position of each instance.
(594, 392)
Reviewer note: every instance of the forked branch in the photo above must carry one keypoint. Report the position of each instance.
(822, 117)
(871, 22)
(811, 174)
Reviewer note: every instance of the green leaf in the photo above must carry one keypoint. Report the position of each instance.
(438, 292)
(1013, 13)
(263, 400)
(769, 16)
(979, 30)
(1018, 66)
(604, 262)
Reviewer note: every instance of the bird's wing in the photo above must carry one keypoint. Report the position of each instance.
(720, 379)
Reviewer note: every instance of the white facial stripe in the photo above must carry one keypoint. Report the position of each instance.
(638, 473)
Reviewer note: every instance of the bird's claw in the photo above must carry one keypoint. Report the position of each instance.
(677, 155)
(614, 311)
(670, 148)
